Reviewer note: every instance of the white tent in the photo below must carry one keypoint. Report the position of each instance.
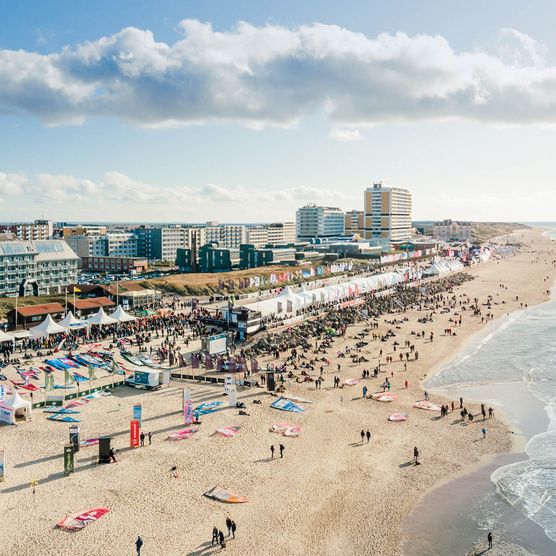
(121, 316)
(15, 408)
(71, 322)
(101, 319)
(5, 337)
(46, 328)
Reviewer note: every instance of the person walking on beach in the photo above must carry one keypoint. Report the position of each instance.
(150, 438)
(484, 431)
(490, 413)
(138, 545)
(368, 435)
(489, 538)
(229, 525)
(221, 540)
(214, 539)
(272, 450)
(364, 391)
(416, 455)
(142, 437)
(362, 437)
(461, 403)
(282, 448)
(233, 529)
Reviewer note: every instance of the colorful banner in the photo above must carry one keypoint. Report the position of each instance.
(137, 412)
(134, 433)
(74, 437)
(68, 459)
(187, 407)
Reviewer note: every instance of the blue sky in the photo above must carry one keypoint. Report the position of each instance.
(308, 101)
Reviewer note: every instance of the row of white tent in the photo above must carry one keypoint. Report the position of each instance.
(443, 267)
(289, 301)
(49, 327)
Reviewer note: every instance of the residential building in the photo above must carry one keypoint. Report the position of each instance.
(451, 231)
(281, 233)
(387, 213)
(226, 235)
(114, 265)
(29, 231)
(257, 236)
(87, 245)
(354, 222)
(316, 222)
(83, 230)
(121, 244)
(162, 242)
(39, 267)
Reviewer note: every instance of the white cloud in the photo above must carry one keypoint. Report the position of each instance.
(115, 188)
(346, 135)
(274, 75)
(11, 184)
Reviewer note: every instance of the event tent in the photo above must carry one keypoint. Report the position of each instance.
(332, 292)
(6, 337)
(71, 322)
(15, 408)
(46, 328)
(120, 315)
(101, 319)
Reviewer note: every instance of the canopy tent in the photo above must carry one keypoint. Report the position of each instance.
(6, 337)
(71, 322)
(288, 301)
(141, 297)
(443, 267)
(46, 328)
(15, 408)
(120, 315)
(101, 319)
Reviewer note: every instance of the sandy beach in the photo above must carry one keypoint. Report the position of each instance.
(330, 494)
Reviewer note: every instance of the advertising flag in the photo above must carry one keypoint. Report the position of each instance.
(137, 412)
(134, 433)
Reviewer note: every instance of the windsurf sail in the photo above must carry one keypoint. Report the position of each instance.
(182, 434)
(425, 404)
(89, 442)
(352, 381)
(228, 432)
(222, 495)
(204, 408)
(398, 417)
(63, 418)
(287, 405)
(60, 410)
(78, 520)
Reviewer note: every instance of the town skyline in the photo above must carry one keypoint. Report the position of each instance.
(179, 113)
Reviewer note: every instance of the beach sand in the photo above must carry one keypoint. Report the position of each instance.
(330, 494)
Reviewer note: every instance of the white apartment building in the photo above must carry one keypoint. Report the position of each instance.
(387, 213)
(449, 230)
(87, 245)
(257, 236)
(313, 222)
(36, 267)
(229, 236)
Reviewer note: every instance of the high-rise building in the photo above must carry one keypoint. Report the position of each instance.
(28, 231)
(121, 244)
(387, 213)
(314, 222)
(354, 222)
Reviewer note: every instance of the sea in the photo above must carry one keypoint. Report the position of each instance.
(510, 365)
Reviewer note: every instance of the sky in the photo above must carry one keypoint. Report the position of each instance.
(242, 111)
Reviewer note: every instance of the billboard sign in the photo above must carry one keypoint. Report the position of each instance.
(134, 433)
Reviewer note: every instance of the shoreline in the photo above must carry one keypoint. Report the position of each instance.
(475, 476)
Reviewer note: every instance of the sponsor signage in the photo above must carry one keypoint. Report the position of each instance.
(134, 433)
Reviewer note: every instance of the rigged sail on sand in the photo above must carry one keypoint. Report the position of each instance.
(223, 495)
